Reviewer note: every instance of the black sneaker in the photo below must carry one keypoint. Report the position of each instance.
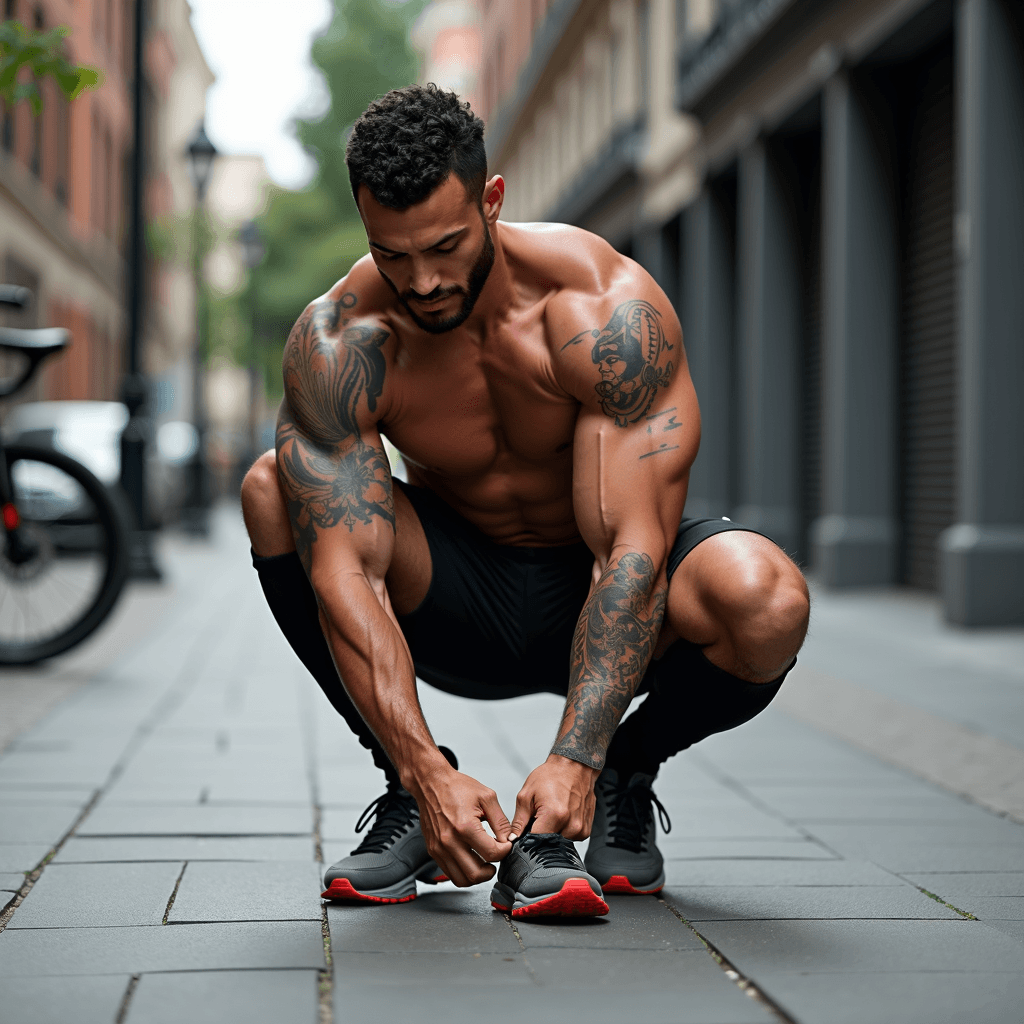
(543, 876)
(385, 866)
(622, 854)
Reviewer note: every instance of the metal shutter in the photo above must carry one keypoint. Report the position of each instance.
(927, 350)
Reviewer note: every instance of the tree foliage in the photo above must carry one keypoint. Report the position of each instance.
(28, 56)
(313, 236)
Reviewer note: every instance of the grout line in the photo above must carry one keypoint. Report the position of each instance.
(325, 987)
(122, 1010)
(743, 983)
(939, 899)
(522, 946)
(174, 893)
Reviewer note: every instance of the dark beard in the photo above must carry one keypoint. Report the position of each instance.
(477, 279)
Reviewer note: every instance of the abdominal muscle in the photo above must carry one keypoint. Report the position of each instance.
(525, 506)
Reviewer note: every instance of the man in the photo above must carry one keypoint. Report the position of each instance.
(536, 384)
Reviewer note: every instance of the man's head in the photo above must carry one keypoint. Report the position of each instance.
(418, 170)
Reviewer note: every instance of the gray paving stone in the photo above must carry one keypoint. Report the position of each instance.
(127, 820)
(11, 882)
(911, 858)
(354, 971)
(728, 823)
(62, 1000)
(822, 947)
(190, 848)
(225, 997)
(684, 874)
(991, 908)
(766, 903)
(845, 803)
(248, 891)
(339, 823)
(742, 849)
(22, 856)
(899, 998)
(634, 922)
(972, 883)
(35, 823)
(183, 947)
(1014, 929)
(460, 921)
(25, 795)
(98, 896)
(856, 840)
(67, 772)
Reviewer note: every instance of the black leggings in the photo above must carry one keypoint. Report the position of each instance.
(688, 697)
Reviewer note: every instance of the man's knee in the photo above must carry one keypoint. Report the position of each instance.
(765, 607)
(263, 508)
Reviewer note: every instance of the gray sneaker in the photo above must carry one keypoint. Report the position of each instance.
(543, 876)
(385, 866)
(623, 855)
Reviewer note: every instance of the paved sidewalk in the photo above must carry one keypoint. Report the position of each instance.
(165, 826)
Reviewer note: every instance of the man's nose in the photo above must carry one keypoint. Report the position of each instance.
(425, 278)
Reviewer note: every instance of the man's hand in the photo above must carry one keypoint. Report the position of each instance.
(453, 808)
(559, 794)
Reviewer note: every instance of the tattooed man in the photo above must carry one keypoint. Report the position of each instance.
(536, 384)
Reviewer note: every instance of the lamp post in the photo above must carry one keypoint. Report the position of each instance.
(135, 388)
(196, 515)
(253, 251)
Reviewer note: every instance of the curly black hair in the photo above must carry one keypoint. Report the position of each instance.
(408, 142)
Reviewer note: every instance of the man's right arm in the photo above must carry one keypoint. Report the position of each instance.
(337, 486)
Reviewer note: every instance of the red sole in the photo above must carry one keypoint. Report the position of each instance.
(621, 884)
(574, 899)
(342, 889)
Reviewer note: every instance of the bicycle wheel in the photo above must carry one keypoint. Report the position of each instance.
(64, 574)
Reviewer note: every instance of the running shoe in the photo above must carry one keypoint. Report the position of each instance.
(543, 876)
(623, 855)
(386, 865)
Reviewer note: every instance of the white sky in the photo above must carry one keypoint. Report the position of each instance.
(259, 51)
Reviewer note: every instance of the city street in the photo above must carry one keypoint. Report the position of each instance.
(170, 794)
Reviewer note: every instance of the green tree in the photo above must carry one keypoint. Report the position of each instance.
(42, 55)
(314, 236)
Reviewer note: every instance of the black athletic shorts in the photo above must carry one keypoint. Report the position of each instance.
(498, 620)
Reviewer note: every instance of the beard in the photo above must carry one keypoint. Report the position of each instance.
(471, 292)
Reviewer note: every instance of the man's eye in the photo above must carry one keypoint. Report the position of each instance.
(393, 259)
(451, 248)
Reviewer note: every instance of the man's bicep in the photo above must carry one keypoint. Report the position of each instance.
(339, 498)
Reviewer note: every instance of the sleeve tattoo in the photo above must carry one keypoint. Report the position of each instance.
(612, 648)
(632, 355)
(329, 474)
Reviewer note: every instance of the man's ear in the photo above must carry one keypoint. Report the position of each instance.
(494, 196)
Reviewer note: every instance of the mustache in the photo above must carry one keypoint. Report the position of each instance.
(435, 296)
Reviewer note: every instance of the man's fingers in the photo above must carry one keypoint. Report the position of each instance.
(547, 821)
(496, 819)
(524, 811)
(478, 840)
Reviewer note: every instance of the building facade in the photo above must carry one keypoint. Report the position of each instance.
(833, 203)
(64, 181)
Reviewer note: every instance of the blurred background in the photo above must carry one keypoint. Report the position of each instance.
(829, 191)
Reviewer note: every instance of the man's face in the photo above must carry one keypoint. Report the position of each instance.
(436, 255)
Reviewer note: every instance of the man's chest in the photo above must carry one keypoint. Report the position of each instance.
(469, 409)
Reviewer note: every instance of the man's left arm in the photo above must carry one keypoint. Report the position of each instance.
(636, 437)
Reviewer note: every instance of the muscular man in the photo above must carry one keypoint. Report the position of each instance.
(536, 384)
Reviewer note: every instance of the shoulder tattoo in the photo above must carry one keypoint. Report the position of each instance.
(631, 354)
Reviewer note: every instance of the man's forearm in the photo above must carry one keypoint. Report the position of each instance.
(376, 669)
(615, 638)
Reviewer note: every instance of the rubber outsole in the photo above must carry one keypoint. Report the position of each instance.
(574, 899)
(343, 889)
(621, 884)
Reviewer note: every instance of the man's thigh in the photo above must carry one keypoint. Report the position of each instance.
(743, 599)
(408, 578)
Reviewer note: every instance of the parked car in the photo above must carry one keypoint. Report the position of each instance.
(91, 432)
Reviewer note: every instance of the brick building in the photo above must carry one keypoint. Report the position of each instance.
(64, 188)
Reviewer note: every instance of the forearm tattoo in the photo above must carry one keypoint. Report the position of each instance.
(632, 356)
(330, 476)
(615, 638)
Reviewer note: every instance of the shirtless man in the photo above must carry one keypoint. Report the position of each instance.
(535, 382)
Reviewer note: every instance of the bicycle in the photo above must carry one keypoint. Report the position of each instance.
(64, 558)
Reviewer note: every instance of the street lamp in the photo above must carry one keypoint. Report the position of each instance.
(196, 515)
(253, 251)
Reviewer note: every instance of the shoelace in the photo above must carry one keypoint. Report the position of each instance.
(551, 850)
(632, 807)
(395, 809)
